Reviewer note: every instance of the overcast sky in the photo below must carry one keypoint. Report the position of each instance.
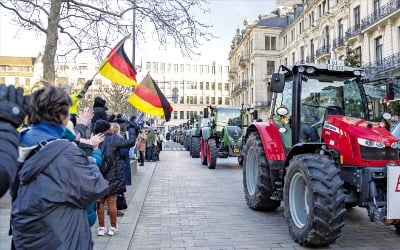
(225, 17)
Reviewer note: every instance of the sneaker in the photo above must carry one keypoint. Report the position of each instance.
(112, 231)
(101, 231)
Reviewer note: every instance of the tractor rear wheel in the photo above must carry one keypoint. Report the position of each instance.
(256, 176)
(211, 153)
(314, 200)
(195, 147)
(203, 151)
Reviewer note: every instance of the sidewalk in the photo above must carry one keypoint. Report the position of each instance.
(135, 196)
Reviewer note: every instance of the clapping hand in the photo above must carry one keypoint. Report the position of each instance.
(85, 116)
(95, 140)
(14, 106)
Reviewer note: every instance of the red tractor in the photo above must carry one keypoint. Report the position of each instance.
(319, 153)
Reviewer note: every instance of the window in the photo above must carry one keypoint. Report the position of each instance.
(194, 68)
(201, 69)
(270, 67)
(148, 66)
(207, 85)
(182, 68)
(61, 80)
(175, 68)
(219, 100)
(201, 85)
(81, 81)
(356, 11)
(378, 50)
(207, 100)
(213, 69)
(213, 86)
(340, 28)
(2, 79)
(357, 51)
(270, 43)
(169, 68)
(398, 38)
(226, 100)
(162, 68)
(212, 100)
(286, 61)
(226, 86)
(155, 67)
(220, 86)
(175, 114)
(377, 7)
(188, 68)
(182, 115)
(292, 35)
(302, 54)
(201, 99)
(293, 58)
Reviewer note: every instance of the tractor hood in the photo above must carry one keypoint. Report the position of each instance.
(360, 142)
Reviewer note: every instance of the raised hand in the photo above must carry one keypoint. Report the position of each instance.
(85, 116)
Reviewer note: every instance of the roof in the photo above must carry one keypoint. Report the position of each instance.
(273, 20)
(17, 61)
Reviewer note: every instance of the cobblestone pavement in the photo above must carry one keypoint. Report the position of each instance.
(189, 206)
(177, 203)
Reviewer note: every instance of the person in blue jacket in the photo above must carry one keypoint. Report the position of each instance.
(56, 183)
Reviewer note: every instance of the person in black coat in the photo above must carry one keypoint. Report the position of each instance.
(112, 170)
(99, 112)
(13, 109)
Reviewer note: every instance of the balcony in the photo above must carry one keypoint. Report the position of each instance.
(244, 60)
(323, 51)
(353, 31)
(245, 83)
(232, 72)
(338, 42)
(387, 63)
(381, 13)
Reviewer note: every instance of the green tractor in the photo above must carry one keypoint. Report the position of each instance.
(223, 136)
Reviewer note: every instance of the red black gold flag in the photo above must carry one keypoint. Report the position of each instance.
(118, 68)
(149, 99)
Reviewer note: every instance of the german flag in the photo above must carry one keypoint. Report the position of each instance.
(149, 99)
(118, 68)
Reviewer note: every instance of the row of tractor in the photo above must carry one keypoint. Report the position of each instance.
(319, 152)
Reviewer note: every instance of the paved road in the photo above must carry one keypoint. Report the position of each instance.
(189, 206)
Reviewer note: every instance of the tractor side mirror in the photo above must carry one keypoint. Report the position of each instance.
(390, 89)
(205, 112)
(277, 82)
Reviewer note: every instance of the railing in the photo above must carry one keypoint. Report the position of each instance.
(310, 59)
(386, 63)
(382, 12)
(338, 42)
(323, 51)
(232, 70)
(245, 83)
(353, 31)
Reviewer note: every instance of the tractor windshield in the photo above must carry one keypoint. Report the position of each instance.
(228, 117)
(340, 96)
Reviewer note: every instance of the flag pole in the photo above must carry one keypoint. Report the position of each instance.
(105, 61)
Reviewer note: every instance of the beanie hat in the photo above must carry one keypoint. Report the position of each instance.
(99, 102)
(101, 126)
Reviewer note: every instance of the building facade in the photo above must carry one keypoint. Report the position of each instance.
(314, 31)
(190, 86)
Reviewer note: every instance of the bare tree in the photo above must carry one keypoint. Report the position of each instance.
(77, 26)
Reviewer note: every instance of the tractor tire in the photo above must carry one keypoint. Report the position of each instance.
(203, 152)
(195, 147)
(314, 200)
(256, 176)
(211, 154)
(189, 145)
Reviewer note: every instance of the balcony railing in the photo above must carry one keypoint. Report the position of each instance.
(245, 83)
(338, 42)
(324, 50)
(387, 63)
(382, 12)
(353, 31)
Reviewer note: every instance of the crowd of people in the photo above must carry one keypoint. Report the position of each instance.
(64, 167)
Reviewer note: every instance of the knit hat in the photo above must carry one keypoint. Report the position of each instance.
(101, 126)
(99, 102)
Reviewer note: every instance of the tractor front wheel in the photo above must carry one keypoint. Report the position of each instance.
(257, 177)
(314, 200)
(195, 147)
(211, 153)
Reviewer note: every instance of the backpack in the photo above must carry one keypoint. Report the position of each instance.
(106, 155)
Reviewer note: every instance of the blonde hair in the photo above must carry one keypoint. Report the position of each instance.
(116, 128)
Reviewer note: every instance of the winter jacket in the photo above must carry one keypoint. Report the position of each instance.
(151, 136)
(112, 168)
(9, 139)
(55, 186)
(141, 142)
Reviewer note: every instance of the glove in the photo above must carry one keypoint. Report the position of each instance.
(13, 105)
(88, 83)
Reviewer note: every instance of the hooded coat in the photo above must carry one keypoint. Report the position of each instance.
(56, 185)
(99, 112)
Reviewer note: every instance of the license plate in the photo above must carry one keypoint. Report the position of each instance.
(236, 150)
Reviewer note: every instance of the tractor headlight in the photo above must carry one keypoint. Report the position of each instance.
(310, 70)
(395, 145)
(369, 143)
